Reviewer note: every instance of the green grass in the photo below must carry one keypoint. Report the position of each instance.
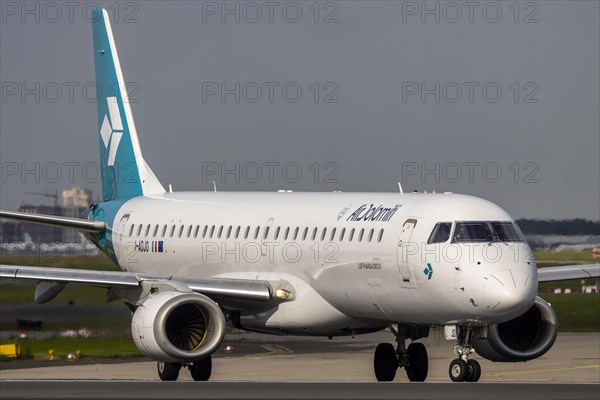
(576, 313)
(23, 293)
(554, 258)
(89, 348)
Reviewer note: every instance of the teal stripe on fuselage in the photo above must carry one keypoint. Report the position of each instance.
(107, 213)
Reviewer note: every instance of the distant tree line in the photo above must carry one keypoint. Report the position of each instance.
(576, 226)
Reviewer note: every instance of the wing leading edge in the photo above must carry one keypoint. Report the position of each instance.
(568, 272)
(55, 220)
(238, 289)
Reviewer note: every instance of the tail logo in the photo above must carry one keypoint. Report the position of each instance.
(112, 130)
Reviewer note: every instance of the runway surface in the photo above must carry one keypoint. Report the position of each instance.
(311, 369)
(284, 390)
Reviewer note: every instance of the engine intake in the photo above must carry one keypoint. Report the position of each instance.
(524, 338)
(178, 327)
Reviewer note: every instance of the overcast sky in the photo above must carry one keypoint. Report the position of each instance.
(487, 99)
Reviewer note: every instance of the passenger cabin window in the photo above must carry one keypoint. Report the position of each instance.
(371, 234)
(189, 231)
(131, 230)
(164, 231)
(256, 232)
(351, 236)
(204, 231)
(472, 232)
(246, 232)
(155, 230)
(440, 233)
(172, 231)
(323, 234)
(147, 230)
(305, 233)
(237, 231)
(139, 230)
(332, 237)
(196, 231)
(342, 233)
(380, 236)
(229, 231)
(296, 233)
(180, 230)
(286, 233)
(314, 234)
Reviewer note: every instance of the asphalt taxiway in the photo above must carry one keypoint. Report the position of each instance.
(314, 368)
(282, 390)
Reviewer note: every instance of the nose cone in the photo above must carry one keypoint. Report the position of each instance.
(509, 293)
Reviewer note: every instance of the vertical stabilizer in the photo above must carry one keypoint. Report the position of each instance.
(125, 173)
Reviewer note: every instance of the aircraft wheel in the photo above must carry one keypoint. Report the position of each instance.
(418, 362)
(385, 362)
(474, 371)
(458, 370)
(201, 370)
(168, 371)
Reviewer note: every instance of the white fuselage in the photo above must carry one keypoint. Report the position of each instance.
(354, 260)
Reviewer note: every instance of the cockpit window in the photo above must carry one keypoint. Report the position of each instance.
(472, 232)
(440, 233)
(507, 232)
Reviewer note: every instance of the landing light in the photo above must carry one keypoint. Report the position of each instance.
(283, 294)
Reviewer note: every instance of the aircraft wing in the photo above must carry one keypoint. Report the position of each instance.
(568, 272)
(55, 220)
(53, 280)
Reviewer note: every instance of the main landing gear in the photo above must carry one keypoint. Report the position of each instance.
(200, 370)
(413, 359)
(462, 369)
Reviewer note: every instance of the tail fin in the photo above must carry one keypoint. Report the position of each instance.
(125, 173)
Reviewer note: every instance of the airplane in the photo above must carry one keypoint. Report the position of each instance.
(314, 264)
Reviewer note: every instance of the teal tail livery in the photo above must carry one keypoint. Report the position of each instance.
(125, 173)
(290, 263)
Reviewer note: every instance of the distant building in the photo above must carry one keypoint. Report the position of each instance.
(76, 197)
(75, 203)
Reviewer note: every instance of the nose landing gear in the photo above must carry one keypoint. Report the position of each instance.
(413, 359)
(462, 369)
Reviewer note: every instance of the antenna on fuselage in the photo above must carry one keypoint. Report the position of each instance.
(170, 188)
(400, 188)
(214, 186)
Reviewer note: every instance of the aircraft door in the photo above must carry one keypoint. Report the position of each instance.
(406, 251)
(118, 238)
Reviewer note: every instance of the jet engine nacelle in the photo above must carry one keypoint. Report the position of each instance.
(524, 338)
(178, 327)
